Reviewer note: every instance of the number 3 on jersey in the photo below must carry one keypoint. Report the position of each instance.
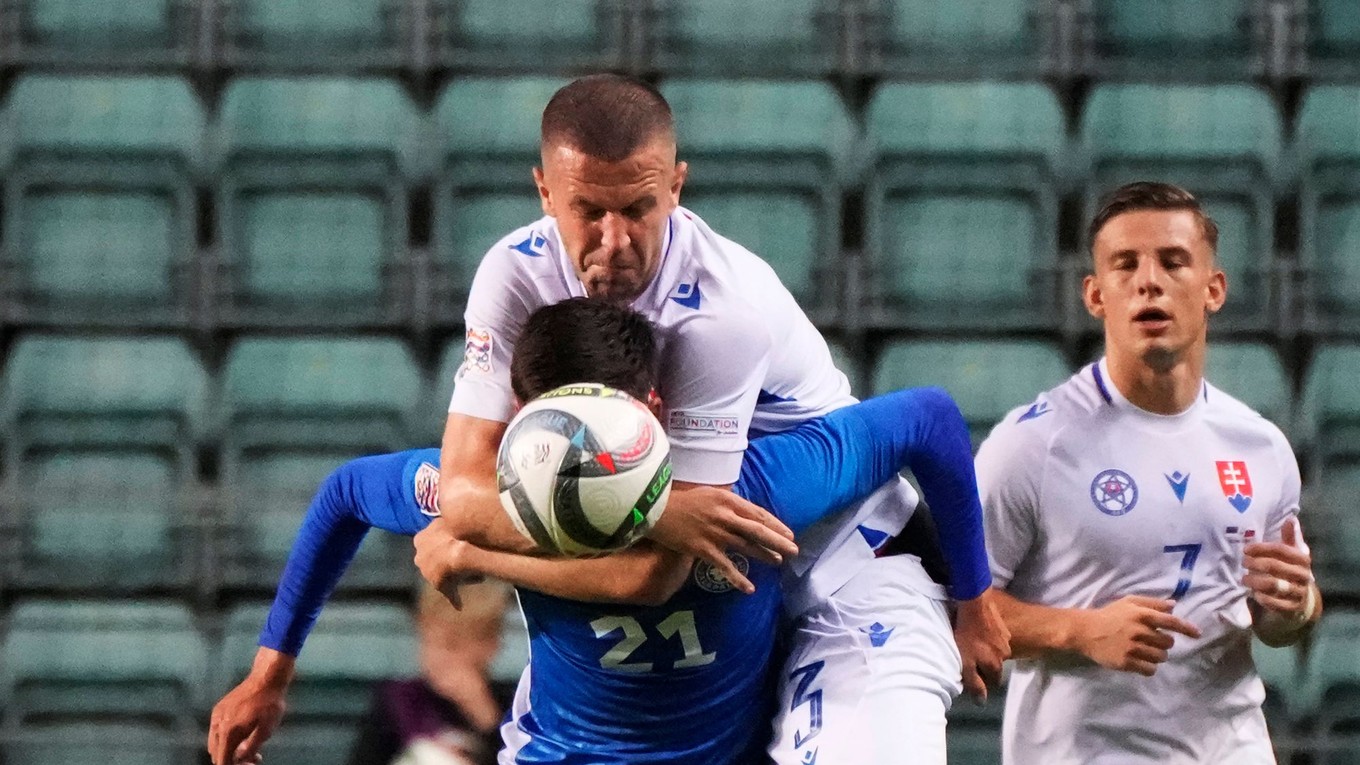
(679, 623)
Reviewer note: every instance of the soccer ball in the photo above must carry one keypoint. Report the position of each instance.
(584, 469)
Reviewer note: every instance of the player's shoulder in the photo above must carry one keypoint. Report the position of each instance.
(1069, 403)
(726, 263)
(1244, 423)
(531, 248)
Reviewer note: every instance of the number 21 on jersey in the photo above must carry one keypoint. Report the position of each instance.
(680, 623)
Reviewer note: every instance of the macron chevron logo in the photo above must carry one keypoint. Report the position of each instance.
(532, 246)
(878, 634)
(687, 295)
(1179, 483)
(1036, 410)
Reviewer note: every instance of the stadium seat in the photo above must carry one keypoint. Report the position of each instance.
(294, 411)
(312, 200)
(576, 35)
(1160, 39)
(1223, 144)
(513, 655)
(768, 164)
(1331, 401)
(718, 37)
(1329, 206)
(986, 378)
(144, 34)
(1333, 40)
(484, 188)
(99, 206)
(99, 456)
(1332, 677)
(965, 180)
(72, 660)
(981, 37)
(1282, 673)
(40, 743)
(274, 35)
(1252, 374)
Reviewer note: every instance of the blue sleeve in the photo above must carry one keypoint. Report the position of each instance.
(370, 492)
(825, 464)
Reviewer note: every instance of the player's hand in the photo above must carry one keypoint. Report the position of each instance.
(1132, 634)
(445, 560)
(706, 521)
(1280, 574)
(249, 714)
(984, 643)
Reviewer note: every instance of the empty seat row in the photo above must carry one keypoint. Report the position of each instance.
(1208, 38)
(149, 666)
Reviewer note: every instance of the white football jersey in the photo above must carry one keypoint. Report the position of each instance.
(1087, 499)
(738, 356)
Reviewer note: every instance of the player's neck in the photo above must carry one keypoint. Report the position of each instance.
(1169, 388)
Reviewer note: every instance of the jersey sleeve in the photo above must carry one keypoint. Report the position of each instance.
(495, 315)
(714, 368)
(1290, 488)
(1010, 468)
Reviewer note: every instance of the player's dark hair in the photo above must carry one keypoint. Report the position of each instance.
(608, 116)
(583, 340)
(1150, 195)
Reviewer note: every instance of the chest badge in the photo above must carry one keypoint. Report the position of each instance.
(1113, 492)
(1236, 483)
(712, 580)
(1179, 483)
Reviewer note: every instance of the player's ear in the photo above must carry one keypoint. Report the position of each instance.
(678, 182)
(544, 196)
(1216, 292)
(655, 404)
(1092, 296)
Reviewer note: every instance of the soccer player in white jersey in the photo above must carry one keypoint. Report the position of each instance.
(1142, 523)
(738, 356)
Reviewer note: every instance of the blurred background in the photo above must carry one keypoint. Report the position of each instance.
(236, 237)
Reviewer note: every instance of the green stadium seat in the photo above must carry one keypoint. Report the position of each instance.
(77, 743)
(718, 37)
(1252, 374)
(571, 35)
(312, 200)
(768, 163)
(1159, 39)
(986, 378)
(979, 37)
(965, 179)
(1333, 39)
(274, 35)
(70, 660)
(145, 33)
(1330, 425)
(1282, 673)
(484, 187)
(1329, 206)
(100, 440)
(1331, 402)
(99, 202)
(1220, 142)
(353, 646)
(513, 655)
(1333, 665)
(295, 410)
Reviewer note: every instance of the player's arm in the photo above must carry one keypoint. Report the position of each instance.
(360, 494)
(1132, 634)
(1285, 601)
(644, 574)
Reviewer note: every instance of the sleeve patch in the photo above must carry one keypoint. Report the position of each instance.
(427, 489)
(477, 352)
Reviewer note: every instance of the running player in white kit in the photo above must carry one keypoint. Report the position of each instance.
(1142, 523)
(738, 356)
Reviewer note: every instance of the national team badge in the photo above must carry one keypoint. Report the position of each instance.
(1114, 492)
(427, 489)
(1236, 483)
(712, 580)
(477, 352)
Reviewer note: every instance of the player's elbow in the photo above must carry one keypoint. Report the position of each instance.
(937, 402)
(454, 498)
(657, 580)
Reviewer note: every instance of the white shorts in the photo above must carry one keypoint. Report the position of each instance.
(870, 674)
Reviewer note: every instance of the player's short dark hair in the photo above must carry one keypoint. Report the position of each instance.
(608, 116)
(1150, 195)
(583, 340)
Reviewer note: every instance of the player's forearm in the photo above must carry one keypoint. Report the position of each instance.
(644, 574)
(1038, 630)
(469, 499)
(1278, 630)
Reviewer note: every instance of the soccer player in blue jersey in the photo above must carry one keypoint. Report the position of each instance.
(643, 656)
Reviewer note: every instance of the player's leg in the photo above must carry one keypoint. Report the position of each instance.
(870, 674)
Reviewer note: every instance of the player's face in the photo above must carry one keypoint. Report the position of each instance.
(612, 215)
(1154, 286)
